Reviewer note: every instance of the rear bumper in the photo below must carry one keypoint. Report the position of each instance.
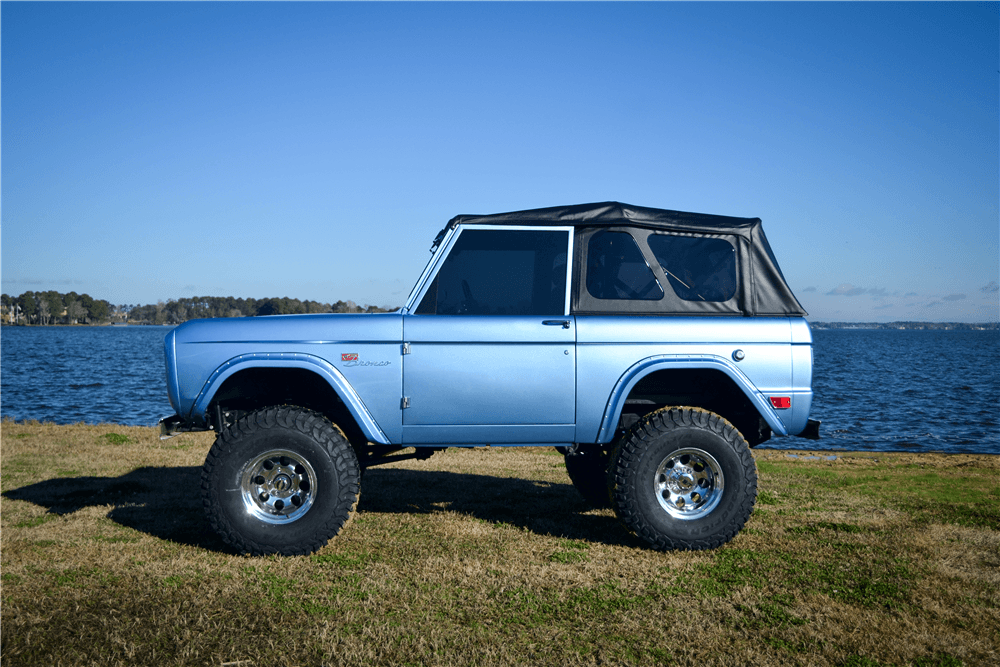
(811, 431)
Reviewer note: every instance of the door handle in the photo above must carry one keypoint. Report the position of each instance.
(555, 323)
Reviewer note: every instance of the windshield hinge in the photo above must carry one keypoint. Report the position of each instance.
(406, 348)
(438, 239)
(405, 403)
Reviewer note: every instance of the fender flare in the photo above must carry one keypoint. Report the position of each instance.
(308, 362)
(643, 367)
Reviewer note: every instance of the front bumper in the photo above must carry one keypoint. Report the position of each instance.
(175, 425)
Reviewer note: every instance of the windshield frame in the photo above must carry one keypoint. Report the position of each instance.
(444, 244)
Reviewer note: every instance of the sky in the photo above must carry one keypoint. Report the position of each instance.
(151, 151)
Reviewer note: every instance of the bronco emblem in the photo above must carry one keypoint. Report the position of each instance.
(349, 356)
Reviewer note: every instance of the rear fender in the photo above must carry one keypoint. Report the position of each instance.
(644, 367)
(321, 367)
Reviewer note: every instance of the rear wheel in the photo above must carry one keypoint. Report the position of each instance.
(281, 480)
(683, 478)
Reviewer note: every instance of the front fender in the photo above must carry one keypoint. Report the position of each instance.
(644, 367)
(309, 362)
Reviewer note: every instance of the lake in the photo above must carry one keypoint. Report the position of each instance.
(874, 389)
(906, 390)
(84, 374)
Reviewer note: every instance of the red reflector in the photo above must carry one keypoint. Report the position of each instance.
(781, 402)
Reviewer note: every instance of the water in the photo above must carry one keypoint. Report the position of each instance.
(875, 390)
(84, 374)
(905, 390)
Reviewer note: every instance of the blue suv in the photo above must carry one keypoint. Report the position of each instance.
(654, 348)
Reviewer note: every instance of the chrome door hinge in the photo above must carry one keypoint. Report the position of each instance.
(405, 403)
(406, 348)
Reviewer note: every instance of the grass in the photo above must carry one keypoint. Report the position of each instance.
(489, 557)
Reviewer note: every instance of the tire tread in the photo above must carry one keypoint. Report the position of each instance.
(626, 457)
(324, 433)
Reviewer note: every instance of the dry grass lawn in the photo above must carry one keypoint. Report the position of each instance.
(489, 557)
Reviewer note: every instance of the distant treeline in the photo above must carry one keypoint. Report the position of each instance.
(44, 308)
(53, 307)
(943, 326)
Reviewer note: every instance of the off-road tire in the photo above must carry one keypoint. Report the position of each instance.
(700, 456)
(588, 470)
(313, 494)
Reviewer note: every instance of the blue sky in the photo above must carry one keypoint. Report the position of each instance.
(154, 151)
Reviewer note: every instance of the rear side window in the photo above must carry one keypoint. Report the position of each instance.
(616, 269)
(698, 269)
(501, 272)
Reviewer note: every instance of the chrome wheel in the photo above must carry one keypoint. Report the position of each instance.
(282, 480)
(683, 478)
(278, 486)
(689, 483)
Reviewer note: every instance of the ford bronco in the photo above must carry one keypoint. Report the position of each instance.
(654, 348)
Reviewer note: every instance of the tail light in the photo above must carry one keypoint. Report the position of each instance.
(781, 402)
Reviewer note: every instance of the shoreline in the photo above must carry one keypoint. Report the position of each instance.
(815, 326)
(934, 458)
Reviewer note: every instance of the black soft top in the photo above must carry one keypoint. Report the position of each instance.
(763, 292)
(616, 214)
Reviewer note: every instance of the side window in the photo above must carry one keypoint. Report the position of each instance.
(699, 269)
(616, 269)
(501, 272)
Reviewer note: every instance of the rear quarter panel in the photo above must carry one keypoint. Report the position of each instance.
(609, 345)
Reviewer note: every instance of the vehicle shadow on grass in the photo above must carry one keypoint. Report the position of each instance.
(544, 508)
(162, 502)
(166, 502)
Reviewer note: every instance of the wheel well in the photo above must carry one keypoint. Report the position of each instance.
(699, 388)
(256, 388)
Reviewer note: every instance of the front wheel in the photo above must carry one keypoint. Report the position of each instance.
(281, 480)
(683, 478)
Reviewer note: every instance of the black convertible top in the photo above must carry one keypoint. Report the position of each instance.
(616, 214)
(763, 291)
